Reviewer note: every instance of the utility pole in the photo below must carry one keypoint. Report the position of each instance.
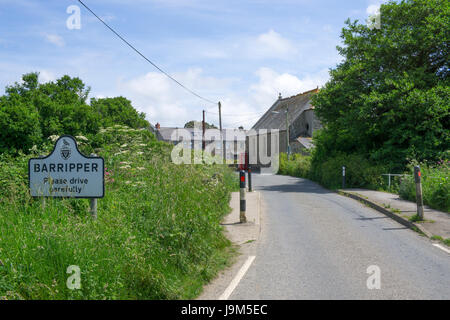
(287, 133)
(203, 128)
(221, 133)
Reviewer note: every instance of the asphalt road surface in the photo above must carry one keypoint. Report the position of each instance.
(316, 244)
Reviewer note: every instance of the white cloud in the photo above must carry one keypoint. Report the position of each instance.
(271, 83)
(54, 39)
(272, 43)
(46, 76)
(373, 9)
(167, 103)
(164, 102)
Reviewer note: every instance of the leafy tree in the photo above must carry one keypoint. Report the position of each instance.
(389, 98)
(61, 105)
(193, 123)
(19, 123)
(119, 110)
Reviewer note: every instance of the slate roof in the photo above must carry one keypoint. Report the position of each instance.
(296, 105)
(165, 133)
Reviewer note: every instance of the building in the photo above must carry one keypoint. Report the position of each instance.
(295, 113)
(234, 139)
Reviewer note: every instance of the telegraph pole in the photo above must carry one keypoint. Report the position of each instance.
(221, 133)
(287, 133)
(203, 128)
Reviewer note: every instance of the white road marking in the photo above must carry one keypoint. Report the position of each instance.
(441, 247)
(227, 293)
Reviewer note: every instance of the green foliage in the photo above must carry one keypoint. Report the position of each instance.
(193, 123)
(389, 99)
(119, 110)
(19, 123)
(31, 112)
(157, 236)
(297, 166)
(435, 185)
(360, 173)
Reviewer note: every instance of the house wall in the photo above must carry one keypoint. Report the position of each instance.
(262, 144)
(304, 125)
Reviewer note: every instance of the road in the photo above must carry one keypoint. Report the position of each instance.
(316, 244)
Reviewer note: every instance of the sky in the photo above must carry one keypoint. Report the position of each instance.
(240, 52)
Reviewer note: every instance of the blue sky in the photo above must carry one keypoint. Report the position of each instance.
(239, 52)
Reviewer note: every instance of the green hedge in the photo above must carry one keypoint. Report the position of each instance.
(435, 186)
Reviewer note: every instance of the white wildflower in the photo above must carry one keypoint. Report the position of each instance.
(54, 138)
(82, 138)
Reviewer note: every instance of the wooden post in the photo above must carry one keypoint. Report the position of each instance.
(419, 198)
(93, 208)
(93, 201)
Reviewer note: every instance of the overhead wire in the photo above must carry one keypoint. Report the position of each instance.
(143, 56)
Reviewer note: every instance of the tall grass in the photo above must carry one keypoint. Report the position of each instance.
(157, 236)
(435, 185)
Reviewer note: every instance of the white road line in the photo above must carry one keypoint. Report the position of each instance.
(227, 293)
(441, 247)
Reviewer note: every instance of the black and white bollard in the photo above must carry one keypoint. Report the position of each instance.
(243, 218)
(419, 198)
(343, 177)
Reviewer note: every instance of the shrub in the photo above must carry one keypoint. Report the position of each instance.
(298, 165)
(435, 185)
(360, 172)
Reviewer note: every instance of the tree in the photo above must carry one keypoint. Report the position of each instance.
(30, 112)
(19, 123)
(119, 110)
(193, 123)
(389, 98)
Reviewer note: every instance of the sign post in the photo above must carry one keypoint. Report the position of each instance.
(67, 173)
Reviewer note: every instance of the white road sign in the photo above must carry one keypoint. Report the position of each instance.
(66, 173)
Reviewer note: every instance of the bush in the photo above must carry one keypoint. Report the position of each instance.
(360, 172)
(298, 165)
(435, 185)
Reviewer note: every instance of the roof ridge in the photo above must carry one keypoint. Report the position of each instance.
(300, 94)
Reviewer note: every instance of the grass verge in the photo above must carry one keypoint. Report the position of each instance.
(158, 233)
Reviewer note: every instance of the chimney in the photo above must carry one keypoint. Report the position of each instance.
(279, 96)
(157, 126)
